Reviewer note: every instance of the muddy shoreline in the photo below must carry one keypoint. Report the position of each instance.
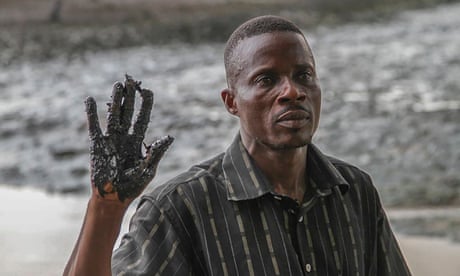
(398, 121)
(391, 101)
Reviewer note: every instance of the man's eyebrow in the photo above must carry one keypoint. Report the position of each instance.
(268, 70)
(303, 66)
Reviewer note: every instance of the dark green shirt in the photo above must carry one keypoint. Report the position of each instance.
(222, 217)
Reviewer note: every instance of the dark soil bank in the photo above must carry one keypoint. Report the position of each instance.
(43, 29)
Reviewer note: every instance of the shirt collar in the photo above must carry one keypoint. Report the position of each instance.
(322, 174)
(244, 180)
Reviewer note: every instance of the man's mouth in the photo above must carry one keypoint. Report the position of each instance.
(294, 118)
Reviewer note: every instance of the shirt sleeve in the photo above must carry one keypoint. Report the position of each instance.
(151, 247)
(383, 256)
(388, 256)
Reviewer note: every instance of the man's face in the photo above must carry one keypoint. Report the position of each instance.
(276, 93)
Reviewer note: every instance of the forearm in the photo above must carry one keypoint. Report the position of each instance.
(93, 252)
(119, 173)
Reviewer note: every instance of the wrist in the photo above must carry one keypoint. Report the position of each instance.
(103, 208)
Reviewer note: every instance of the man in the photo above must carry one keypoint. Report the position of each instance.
(272, 204)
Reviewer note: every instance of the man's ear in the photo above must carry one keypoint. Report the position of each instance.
(228, 97)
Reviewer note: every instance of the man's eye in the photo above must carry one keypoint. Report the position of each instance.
(264, 81)
(306, 76)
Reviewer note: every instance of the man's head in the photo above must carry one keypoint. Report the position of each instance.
(272, 84)
(252, 27)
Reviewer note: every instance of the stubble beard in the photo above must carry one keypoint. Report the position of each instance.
(282, 146)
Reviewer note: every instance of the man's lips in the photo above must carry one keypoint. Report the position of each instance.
(294, 118)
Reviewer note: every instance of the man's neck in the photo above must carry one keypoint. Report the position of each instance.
(284, 169)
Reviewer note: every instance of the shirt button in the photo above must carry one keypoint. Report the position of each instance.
(308, 267)
(301, 219)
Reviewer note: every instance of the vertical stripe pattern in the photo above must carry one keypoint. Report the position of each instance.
(222, 218)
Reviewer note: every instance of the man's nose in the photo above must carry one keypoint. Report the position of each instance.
(291, 92)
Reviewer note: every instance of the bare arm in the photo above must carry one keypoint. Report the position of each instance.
(93, 252)
(119, 173)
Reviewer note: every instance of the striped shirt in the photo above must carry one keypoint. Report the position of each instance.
(222, 217)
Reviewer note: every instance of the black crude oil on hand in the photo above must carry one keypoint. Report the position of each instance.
(118, 164)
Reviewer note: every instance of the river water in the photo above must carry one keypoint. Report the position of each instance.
(391, 105)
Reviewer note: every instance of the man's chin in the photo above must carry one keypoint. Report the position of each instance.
(290, 145)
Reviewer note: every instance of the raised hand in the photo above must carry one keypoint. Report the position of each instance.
(119, 168)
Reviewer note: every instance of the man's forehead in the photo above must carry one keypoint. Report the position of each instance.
(264, 43)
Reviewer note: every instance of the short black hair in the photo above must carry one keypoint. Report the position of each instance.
(252, 27)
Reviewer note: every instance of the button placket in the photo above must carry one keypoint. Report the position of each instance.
(307, 260)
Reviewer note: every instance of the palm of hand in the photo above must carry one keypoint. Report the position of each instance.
(118, 165)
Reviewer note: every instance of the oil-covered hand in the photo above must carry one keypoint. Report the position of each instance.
(119, 167)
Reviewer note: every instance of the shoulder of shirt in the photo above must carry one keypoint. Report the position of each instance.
(209, 168)
(352, 174)
(361, 188)
(341, 165)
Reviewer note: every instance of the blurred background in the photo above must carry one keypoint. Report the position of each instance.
(390, 75)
